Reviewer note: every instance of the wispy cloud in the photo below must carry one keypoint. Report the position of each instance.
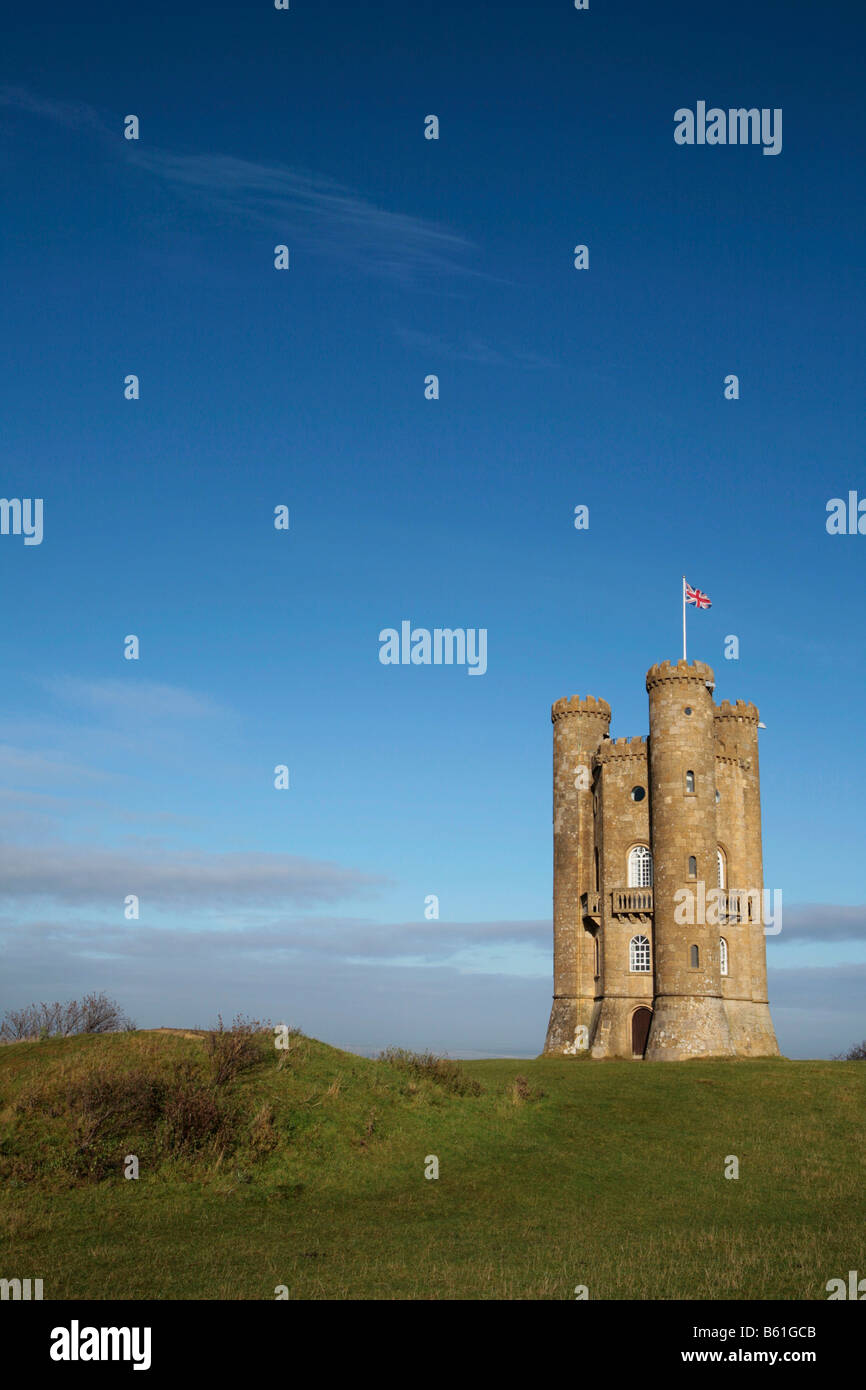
(47, 767)
(305, 209)
(472, 348)
(133, 699)
(82, 875)
(824, 922)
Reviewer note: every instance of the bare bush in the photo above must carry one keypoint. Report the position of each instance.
(857, 1053)
(231, 1051)
(95, 1013)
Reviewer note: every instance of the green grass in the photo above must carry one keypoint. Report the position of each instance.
(314, 1176)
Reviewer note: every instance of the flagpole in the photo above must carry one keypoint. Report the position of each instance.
(684, 619)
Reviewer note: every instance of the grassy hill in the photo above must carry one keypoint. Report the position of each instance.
(307, 1170)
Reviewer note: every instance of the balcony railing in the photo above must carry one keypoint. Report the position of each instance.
(739, 905)
(625, 901)
(590, 904)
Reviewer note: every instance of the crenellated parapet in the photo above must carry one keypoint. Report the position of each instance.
(665, 671)
(740, 710)
(580, 705)
(621, 748)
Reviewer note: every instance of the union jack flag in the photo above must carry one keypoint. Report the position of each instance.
(697, 598)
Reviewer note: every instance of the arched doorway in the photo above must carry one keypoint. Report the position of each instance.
(640, 1024)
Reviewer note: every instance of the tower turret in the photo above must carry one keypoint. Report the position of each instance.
(689, 1017)
(748, 1010)
(579, 725)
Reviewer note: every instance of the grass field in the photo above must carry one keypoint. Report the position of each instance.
(308, 1170)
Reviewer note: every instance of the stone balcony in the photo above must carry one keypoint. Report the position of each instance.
(636, 904)
(624, 902)
(590, 905)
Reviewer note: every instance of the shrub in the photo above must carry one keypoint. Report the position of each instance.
(441, 1070)
(193, 1115)
(231, 1051)
(857, 1053)
(520, 1091)
(95, 1013)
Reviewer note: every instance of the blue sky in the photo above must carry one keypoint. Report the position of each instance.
(306, 388)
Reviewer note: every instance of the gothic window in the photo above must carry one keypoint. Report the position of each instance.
(640, 867)
(690, 781)
(639, 954)
(723, 955)
(693, 866)
(695, 957)
(722, 867)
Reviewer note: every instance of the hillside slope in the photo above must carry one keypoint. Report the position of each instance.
(308, 1171)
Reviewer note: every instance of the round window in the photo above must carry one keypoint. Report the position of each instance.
(687, 710)
(638, 793)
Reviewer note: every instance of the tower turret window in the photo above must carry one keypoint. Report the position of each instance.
(690, 782)
(639, 955)
(693, 866)
(723, 955)
(640, 867)
(723, 877)
(695, 957)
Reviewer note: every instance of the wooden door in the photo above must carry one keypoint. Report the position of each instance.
(640, 1024)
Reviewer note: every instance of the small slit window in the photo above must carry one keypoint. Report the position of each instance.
(723, 955)
(693, 866)
(722, 875)
(695, 957)
(690, 781)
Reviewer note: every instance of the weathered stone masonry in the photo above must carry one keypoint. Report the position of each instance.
(636, 822)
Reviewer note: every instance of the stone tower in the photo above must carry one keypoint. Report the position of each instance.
(578, 728)
(656, 954)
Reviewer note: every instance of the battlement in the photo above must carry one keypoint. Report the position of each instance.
(681, 671)
(577, 704)
(622, 748)
(741, 710)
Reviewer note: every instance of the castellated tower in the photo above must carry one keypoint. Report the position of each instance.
(659, 947)
(578, 728)
(738, 816)
(689, 1017)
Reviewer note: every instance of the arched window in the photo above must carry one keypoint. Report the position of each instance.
(690, 781)
(695, 957)
(639, 954)
(723, 877)
(640, 868)
(693, 866)
(723, 955)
